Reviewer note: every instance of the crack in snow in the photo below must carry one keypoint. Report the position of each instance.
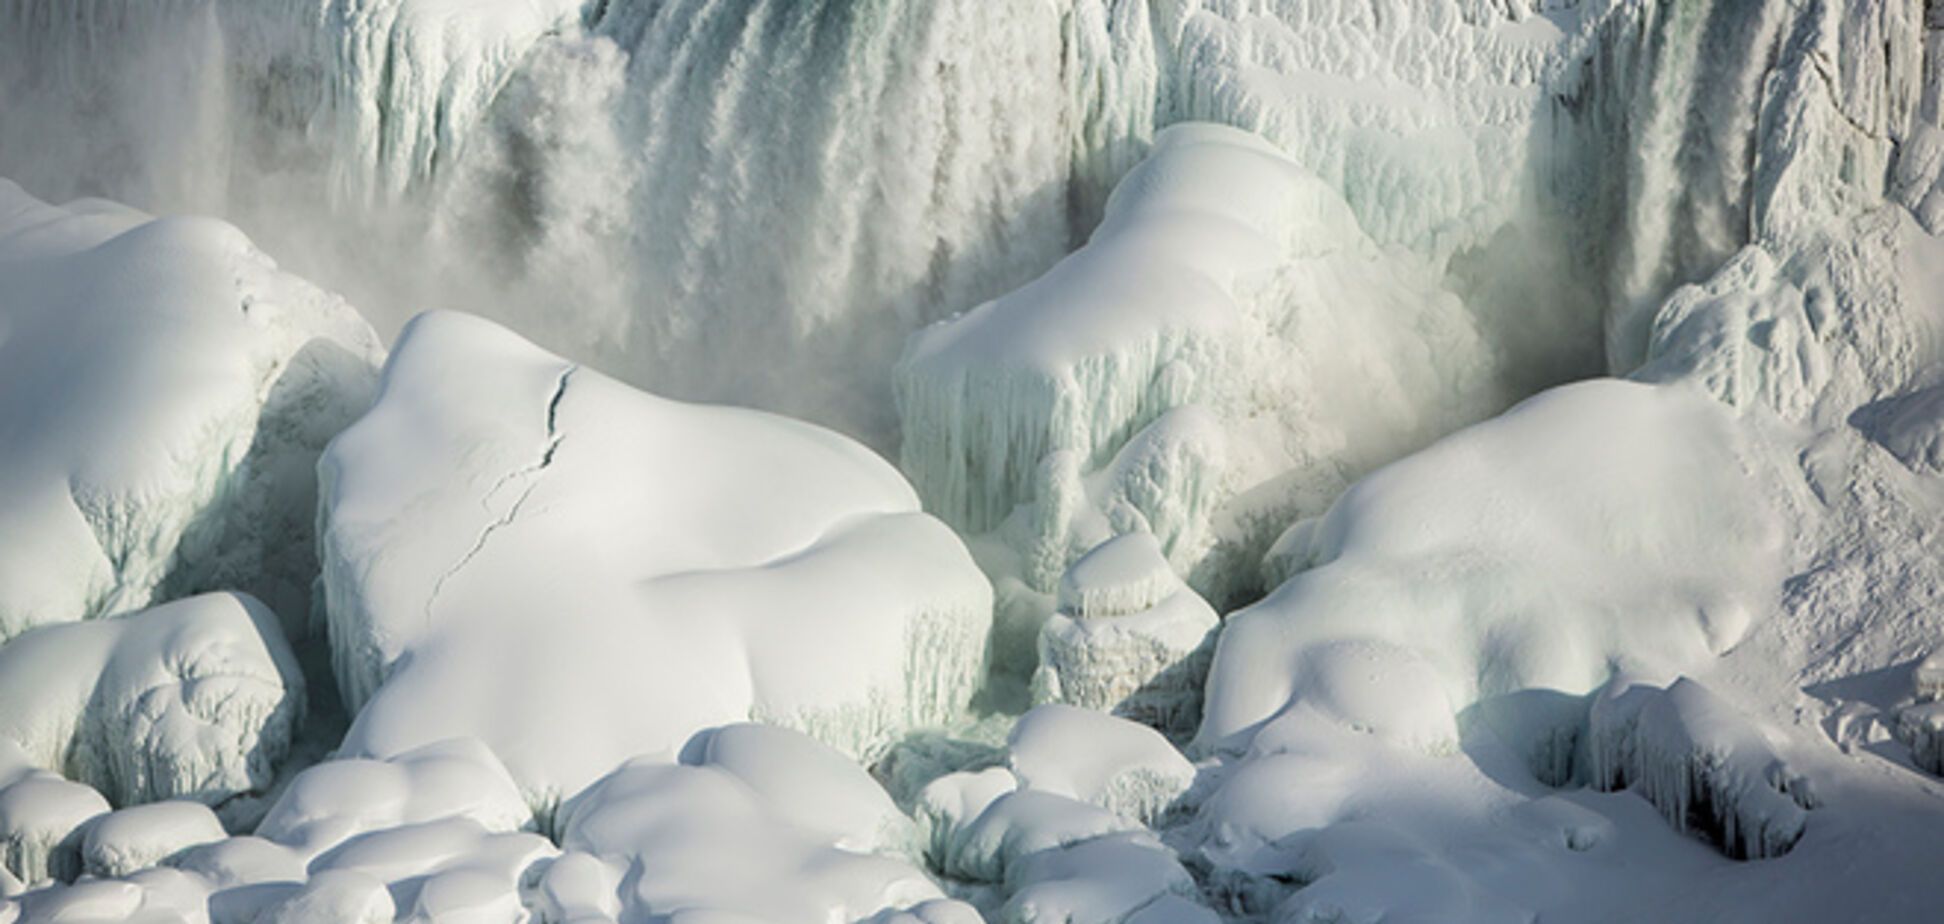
(530, 472)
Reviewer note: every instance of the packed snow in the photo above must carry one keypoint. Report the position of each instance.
(1428, 460)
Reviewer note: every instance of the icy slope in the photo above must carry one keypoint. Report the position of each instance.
(501, 508)
(196, 699)
(164, 392)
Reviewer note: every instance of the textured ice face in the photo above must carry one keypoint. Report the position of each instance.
(196, 699)
(165, 390)
(502, 508)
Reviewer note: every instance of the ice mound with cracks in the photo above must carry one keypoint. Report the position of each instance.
(756, 823)
(501, 507)
(196, 699)
(1707, 766)
(1602, 524)
(1128, 638)
(165, 391)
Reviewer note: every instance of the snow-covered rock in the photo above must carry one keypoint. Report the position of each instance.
(1128, 638)
(501, 509)
(1600, 524)
(136, 838)
(754, 828)
(165, 390)
(43, 819)
(1125, 768)
(196, 699)
(1703, 763)
(339, 799)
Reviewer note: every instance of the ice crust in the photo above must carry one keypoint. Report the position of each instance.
(501, 507)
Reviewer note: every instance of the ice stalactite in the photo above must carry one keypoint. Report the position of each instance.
(1709, 768)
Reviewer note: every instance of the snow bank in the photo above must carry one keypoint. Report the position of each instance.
(1600, 524)
(165, 390)
(501, 510)
(196, 699)
(1129, 637)
(135, 838)
(1704, 764)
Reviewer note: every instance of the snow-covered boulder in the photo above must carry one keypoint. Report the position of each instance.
(1125, 768)
(1228, 347)
(165, 391)
(136, 838)
(1599, 524)
(521, 550)
(339, 799)
(753, 826)
(196, 699)
(1128, 638)
(1911, 426)
(43, 819)
(1708, 767)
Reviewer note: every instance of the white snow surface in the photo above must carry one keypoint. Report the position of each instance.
(501, 507)
(198, 699)
(164, 392)
(1649, 648)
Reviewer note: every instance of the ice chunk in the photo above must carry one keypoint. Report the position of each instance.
(1100, 881)
(1911, 426)
(1706, 766)
(142, 836)
(1746, 335)
(1022, 823)
(1599, 523)
(166, 390)
(1129, 637)
(196, 699)
(808, 785)
(1125, 768)
(502, 508)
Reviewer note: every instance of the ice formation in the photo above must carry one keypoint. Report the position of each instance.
(1307, 246)
(165, 391)
(196, 699)
(1519, 553)
(1129, 637)
(1228, 330)
(1702, 763)
(501, 507)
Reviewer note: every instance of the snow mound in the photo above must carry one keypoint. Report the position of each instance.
(1704, 764)
(196, 699)
(500, 507)
(751, 829)
(166, 391)
(1129, 637)
(1125, 768)
(133, 839)
(1912, 427)
(43, 820)
(1599, 524)
(336, 800)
